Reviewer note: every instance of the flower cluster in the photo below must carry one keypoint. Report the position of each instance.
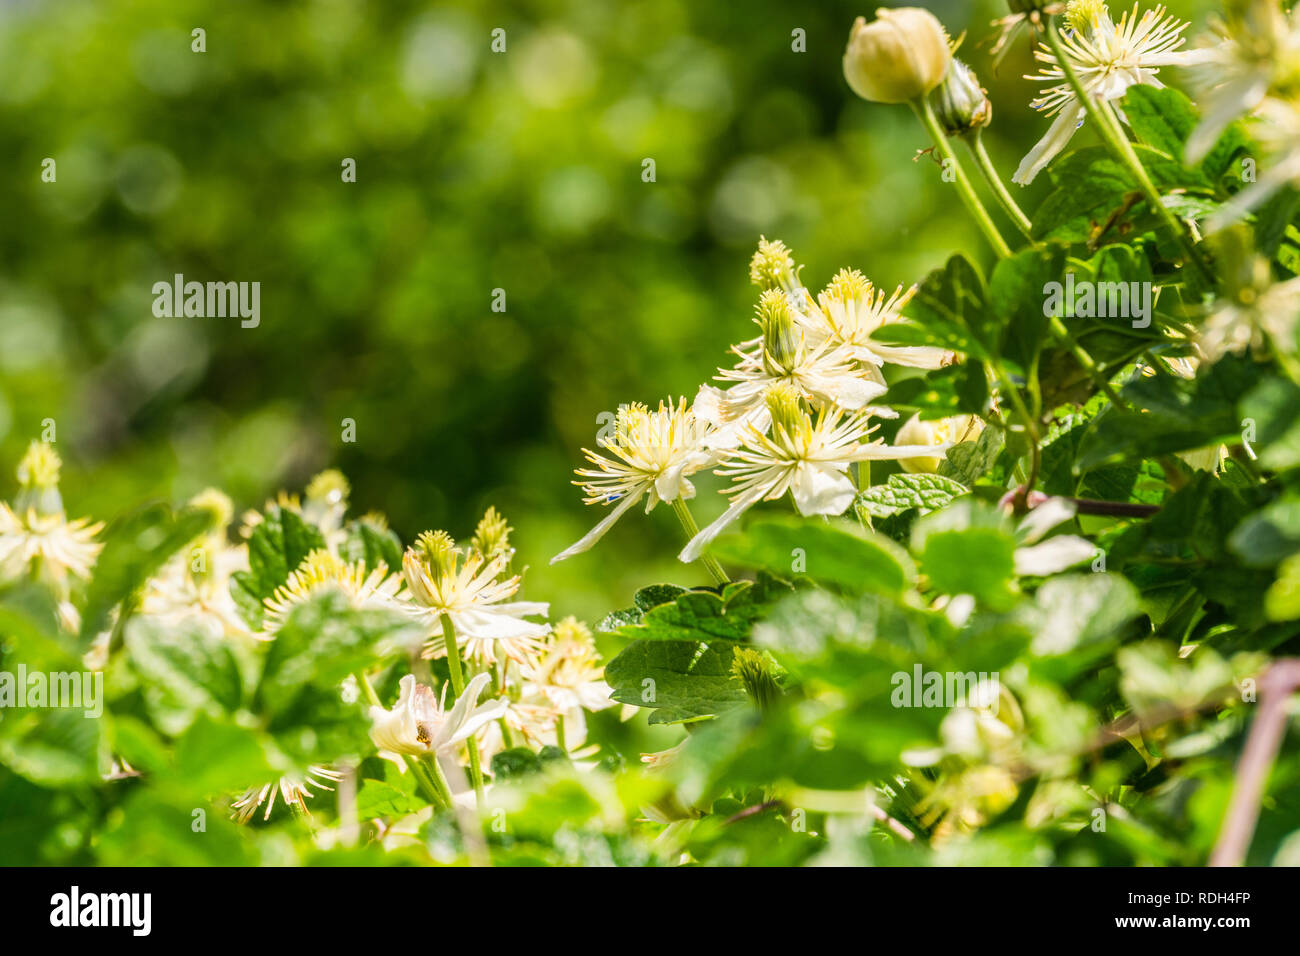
(529, 682)
(795, 411)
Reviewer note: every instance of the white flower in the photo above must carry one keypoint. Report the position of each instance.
(939, 432)
(821, 374)
(851, 309)
(1039, 558)
(1252, 320)
(1256, 51)
(419, 723)
(36, 537)
(1108, 59)
(295, 791)
(472, 593)
(653, 453)
(567, 671)
(809, 460)
(321, 571)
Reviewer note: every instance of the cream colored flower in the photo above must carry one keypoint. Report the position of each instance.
(472, 592)
(1252, 53)
(194, 585)
(941, 432)
(850, 310)
(784, 354)
(419, 722)
(567, 671)
(1109, 59)
(900, 56)
(322, 571)
(808, 459)
(651, 456)
(36, 537)
(295, 791)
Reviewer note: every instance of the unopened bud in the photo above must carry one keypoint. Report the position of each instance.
(899, 57)
(960, 103)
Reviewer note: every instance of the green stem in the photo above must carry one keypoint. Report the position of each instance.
(990, 173)
(422, 780)
(1087, 361)
(559, 733)
(1118, 143)
(434, 770)
(692, 529)
(458, 688)
(925, 113)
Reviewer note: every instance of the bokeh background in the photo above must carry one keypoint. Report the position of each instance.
(476, 171)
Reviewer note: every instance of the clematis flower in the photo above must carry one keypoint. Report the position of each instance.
(295, 791)
(850, 310)
(36, 537)
(419, 722)
(322, 570)
(194, 585)
(652, 455)
(1252, 53)
(1277, 130)
(821, 374)
(808, 459)
(1109, 59)
(939, 432)
(900, 56)
(472, 592)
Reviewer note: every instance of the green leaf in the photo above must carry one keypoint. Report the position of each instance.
(904, 492)
(967, 549)
(379, 799)
(950, 310)
(1018, 292)
(324, 640)
(1269, 535)
(275, 549)
(680, 680)
(135, 547)
(969, 461)
(707, 615)
(1080, 613)
(372, 544)
(1091, 187)
(187, 669)
(837, 554)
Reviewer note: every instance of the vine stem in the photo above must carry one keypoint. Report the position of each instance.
(1262, 744)
(458, 688)
(1004, 197)
(432, 792)
(692, 529)
(925, 113)
(1118, 143)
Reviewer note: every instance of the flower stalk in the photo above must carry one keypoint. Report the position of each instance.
(1107, 127)
(925, 113)
(458, 688)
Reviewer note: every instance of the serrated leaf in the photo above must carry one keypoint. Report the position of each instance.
(904, 492)
(680, 680)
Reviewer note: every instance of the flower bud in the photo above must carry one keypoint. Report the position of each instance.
(38, 481)
(960, 103)
(942, 431)
(772, 266)
(900, 56)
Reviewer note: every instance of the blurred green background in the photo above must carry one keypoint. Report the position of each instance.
(476, 171)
